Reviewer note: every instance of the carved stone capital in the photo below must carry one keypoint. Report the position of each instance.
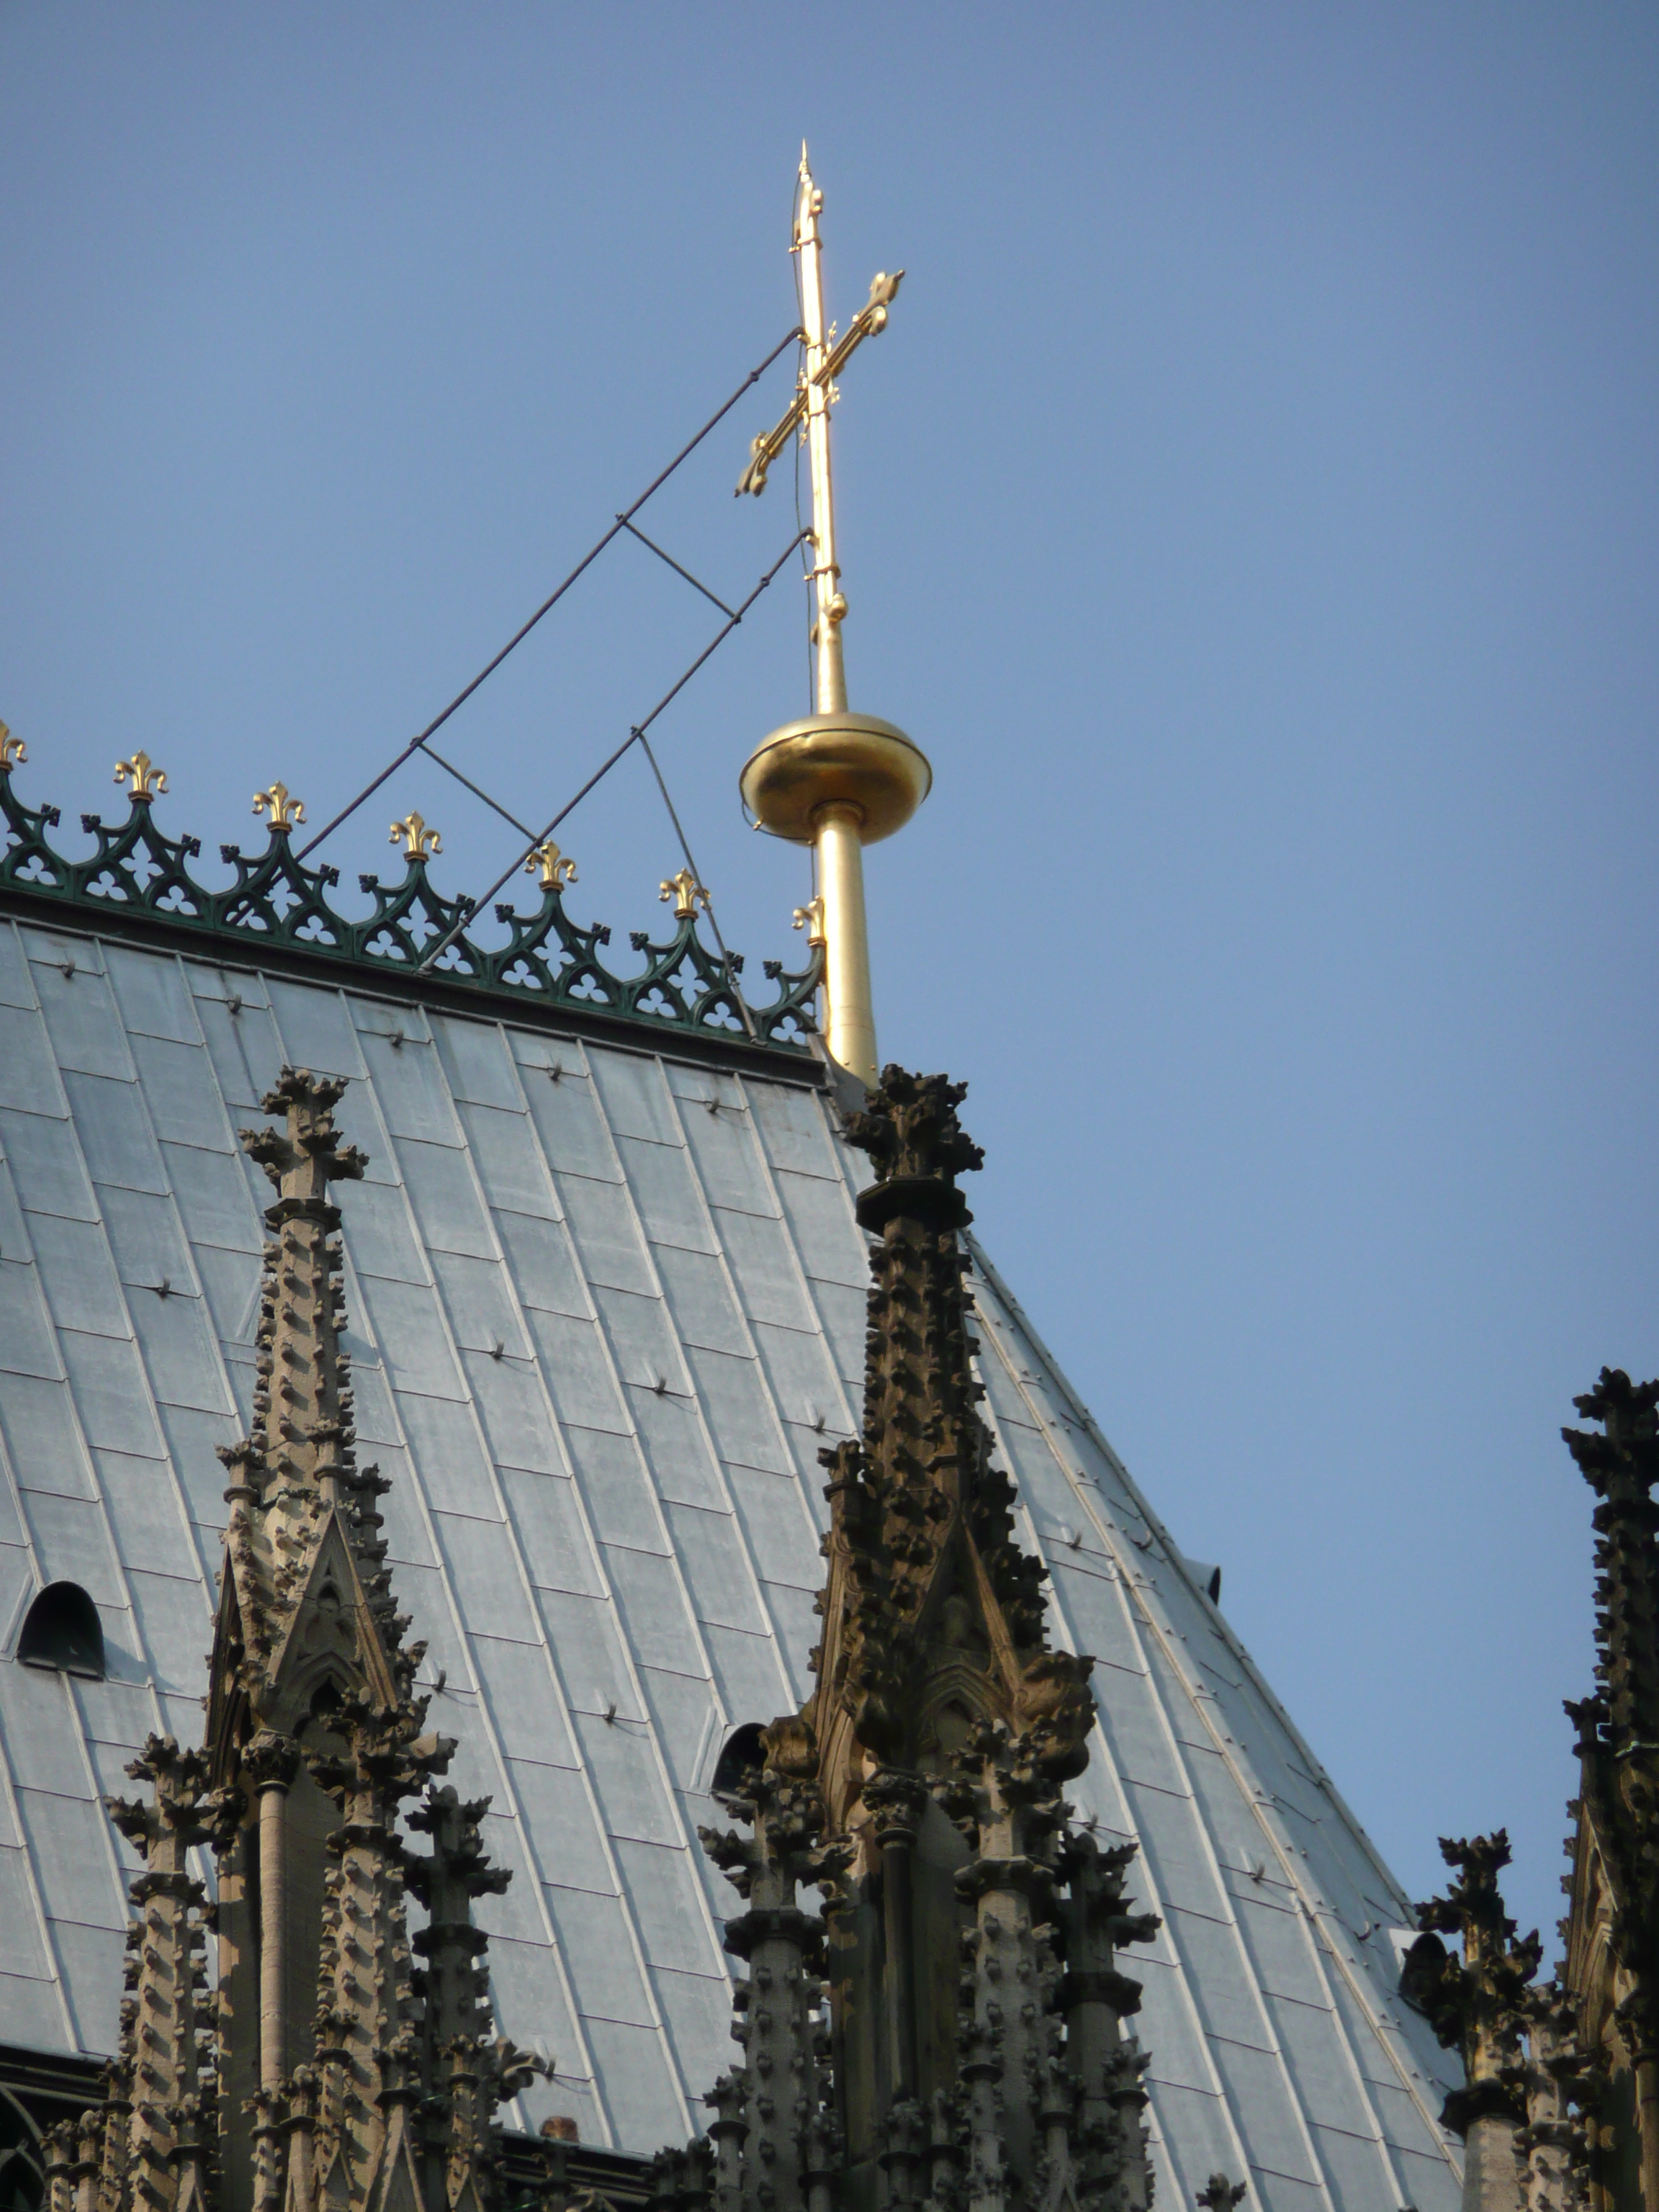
(896, 1800)
(270, 1761)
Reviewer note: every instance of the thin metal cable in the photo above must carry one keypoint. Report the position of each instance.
(696, 878)
(696, 584)
(518, 635)
(605, 767)
(478, 791)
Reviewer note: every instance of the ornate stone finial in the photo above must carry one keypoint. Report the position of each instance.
(809, 918)
(1220, 2195)
(1621, 1467)
(12, 749)
(1476, 2006)
(687, 894)
(146, 779)
(912, 1133)
(284, 811)
(305, 1157)
(419, 843)
(551, 868)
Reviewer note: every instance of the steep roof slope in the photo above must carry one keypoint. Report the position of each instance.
(606, 1304)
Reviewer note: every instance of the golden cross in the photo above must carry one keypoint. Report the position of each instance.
(146, 778)
(12, 749)
(283, 810)
(417, 841)
(809, 411)
(554, 868)
(685, 891)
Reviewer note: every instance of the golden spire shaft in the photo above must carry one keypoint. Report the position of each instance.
(829, 607)
(836, 780)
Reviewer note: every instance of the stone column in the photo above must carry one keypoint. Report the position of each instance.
(270, 1764)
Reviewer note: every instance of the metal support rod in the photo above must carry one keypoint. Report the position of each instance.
(553, 598)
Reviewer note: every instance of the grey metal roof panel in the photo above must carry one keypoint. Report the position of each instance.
(603, 1321)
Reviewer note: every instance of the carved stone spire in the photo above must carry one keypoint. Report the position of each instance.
(459, 2047)
(1552, 2081)
(1479, 2007)
(342, 2083)
(308, 1651)
(155, 2132)
(920, 1515)
(977, 2057)
(1612, 1971)
(775, 2129)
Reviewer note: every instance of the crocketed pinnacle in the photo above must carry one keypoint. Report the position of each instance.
(1621, 1465)
(1615, 1883)
(1478, 2005)
(294, 1476)
(920, 1513)
(335, 2075)
(975, 2039)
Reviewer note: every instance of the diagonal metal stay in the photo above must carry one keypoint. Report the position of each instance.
(656, 548)
(547, 605)
(696, 875)
(477, 790)
(604, 768)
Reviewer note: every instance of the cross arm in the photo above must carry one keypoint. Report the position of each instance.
(869, 322)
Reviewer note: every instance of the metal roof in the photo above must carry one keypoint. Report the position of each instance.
(607, 1303)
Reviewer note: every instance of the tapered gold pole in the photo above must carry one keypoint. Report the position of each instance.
(836, 780)
(850, 1031)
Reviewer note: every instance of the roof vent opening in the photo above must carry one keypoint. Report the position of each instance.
(741, 1750)
(1206, 1575)
(62, 1630)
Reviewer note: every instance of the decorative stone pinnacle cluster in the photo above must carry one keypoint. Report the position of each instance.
(332, 2070)
(1559, 2107)
(949, 2032)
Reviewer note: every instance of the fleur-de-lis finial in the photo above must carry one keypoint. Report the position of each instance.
(809, 918)
(146, 778)
(685, 891)
(418, 843)
(552, 866)
(12, 749)
(284, 811)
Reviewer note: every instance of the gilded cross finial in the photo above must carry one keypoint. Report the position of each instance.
(686, 893)
(834, 780)
(12, 749)
(284, 811)
(824, 356)
(809, 918)
(418, 843)
(146, 779)
(551, 867)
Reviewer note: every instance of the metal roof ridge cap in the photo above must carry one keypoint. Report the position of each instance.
(617, 1031)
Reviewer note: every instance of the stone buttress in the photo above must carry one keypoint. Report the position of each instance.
(333, 2072)
(950, 2032)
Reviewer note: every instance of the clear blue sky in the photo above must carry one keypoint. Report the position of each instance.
(1251, 509)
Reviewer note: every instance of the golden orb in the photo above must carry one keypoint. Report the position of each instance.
(853, 759)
